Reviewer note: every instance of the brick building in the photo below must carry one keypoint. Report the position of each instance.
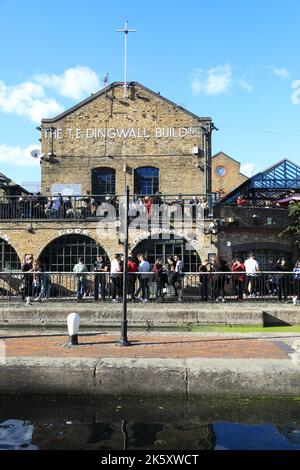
(226, 175)
(100, 146)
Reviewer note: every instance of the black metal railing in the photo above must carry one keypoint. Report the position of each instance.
(70, 208)
(251, 216)
(200, 287)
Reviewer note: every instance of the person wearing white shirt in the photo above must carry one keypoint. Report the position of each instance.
(115, 274)
(252, 268)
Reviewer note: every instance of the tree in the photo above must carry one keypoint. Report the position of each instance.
(293, 229)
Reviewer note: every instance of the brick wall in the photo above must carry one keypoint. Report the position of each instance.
(78, 152)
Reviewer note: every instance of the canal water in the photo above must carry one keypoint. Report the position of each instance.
(149, 423)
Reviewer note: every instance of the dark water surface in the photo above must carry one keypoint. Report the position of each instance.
(149, 423)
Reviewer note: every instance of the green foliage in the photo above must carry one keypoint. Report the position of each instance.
(293, 229)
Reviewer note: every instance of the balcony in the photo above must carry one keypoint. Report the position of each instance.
(251, 217)
(93, 208)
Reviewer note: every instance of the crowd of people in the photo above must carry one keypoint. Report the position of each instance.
(249, 201)
(61, 206)
(216, 279)
(247, 279)
(140, 274)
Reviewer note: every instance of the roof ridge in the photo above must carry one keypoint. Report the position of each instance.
(111, 86)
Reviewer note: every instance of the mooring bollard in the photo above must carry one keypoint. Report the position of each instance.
(73, 328)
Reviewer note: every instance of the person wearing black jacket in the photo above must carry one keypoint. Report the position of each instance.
(282, 280)
(27, 267)
(100, 279)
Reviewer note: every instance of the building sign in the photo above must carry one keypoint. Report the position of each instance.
(72, 231)
(114, 133)
(195, 244)
(66, 189)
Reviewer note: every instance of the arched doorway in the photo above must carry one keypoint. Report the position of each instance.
(146, 180)
(163, 247)
(9, 259)
(266, 257)
(63, 253)
(103, 181)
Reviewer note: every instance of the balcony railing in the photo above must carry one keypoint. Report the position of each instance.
(89, 207)
(250, 216)
(188, 287)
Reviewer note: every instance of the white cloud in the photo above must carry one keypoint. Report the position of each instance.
(281, 72)
(245, 86)
(18, 156)
(249, 169)
(214, 81)
(75, 83)
(29, 100)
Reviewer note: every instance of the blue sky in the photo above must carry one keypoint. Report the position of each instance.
(237, 62)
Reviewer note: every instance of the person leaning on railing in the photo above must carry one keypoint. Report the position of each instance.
(116, 277)
(159, 279)
(204, 268)
(238, 279)
(144, 268)
(282, 280)
(27, 281)
(100, 266)
(132, 278)
(79, 268)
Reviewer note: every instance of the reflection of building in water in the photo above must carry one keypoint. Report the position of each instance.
(140, 435)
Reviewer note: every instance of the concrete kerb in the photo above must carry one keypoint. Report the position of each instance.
(133, 376)
(106, 314)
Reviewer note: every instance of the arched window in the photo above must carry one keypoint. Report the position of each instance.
(103, 181)
(63, 253)
(146, 180)
(9, 259)
(163, 247)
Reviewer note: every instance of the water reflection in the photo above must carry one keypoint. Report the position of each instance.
(16, 434)
(150, 423)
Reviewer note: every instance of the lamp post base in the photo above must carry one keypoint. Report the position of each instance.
(124, 342)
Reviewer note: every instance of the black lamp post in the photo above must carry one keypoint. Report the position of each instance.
(124, 340)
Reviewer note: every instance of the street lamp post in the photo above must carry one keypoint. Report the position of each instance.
(124, 340)
(206, 143)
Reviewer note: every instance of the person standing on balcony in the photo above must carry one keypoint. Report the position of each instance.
(148, 204)
(80, 268)
(241, 201)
